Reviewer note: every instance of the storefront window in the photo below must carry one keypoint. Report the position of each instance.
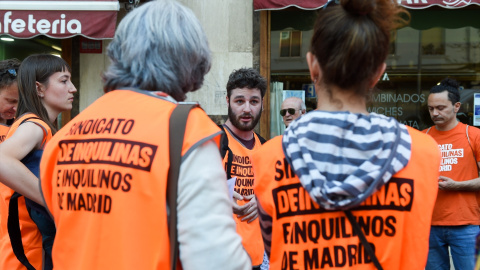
(21, 48)
(438, 43)
(290, 43)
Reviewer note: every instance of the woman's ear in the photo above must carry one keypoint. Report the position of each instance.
(378, 74)
(314, 67)
(40, 89)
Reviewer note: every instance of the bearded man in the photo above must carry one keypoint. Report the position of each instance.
(245, 91)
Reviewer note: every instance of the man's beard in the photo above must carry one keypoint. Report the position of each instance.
(241, 126)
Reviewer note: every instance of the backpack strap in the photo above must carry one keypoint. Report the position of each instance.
(178, 122)
(225, 150)
(473, 152)
(262, 140)
(368, 248)
(13, 225)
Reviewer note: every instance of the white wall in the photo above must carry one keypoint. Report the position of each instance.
(228, 26)
(91, 68)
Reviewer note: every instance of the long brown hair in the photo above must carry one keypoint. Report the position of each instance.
(37, 68)
(351, 40)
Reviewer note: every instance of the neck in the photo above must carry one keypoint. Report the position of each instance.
(340, 100)
(52, 114)
(450, 125)
(245, 135)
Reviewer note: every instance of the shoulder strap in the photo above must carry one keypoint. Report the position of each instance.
(13, 225)
(224, 150)
(366, 245)
(178, 122)
(28, 118)
(262, 140)
(223, 142)
(428, 130)
(474, 156)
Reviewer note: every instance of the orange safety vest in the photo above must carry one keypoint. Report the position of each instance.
(104, 178)
(3, 132)
(31, 237)
(395, 220)
(241, 168)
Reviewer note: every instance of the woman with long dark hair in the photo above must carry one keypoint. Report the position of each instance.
(45, 90)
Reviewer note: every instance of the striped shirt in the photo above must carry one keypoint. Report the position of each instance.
(341, 158)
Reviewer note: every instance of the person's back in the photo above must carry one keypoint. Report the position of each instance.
(395, 219)
(109, 194)
(344, 188)
(104, 175)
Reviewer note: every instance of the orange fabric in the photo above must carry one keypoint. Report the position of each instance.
(396, 219)
(31, 237)
(104, 181)
(242, 169)
(3, 132)
(457, 207)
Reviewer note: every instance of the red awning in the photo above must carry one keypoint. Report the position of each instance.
(315, 4)
(95, 19)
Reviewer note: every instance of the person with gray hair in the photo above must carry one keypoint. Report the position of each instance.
(292, 108)
(115, 215)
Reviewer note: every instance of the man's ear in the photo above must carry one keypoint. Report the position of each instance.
(456, 107)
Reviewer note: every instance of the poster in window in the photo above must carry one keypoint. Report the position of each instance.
(476, 110)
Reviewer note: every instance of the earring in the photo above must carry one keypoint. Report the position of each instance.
(315, 80)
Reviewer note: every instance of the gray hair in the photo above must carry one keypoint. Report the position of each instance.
(159, 46)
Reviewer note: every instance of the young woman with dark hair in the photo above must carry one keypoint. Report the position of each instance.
(46, 90)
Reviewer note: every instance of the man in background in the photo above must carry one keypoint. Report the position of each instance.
(292, 108)
(456, 215)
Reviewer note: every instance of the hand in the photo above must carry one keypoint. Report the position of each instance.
(248, 212)
(237, 209)
(445, 183)
(252, 210)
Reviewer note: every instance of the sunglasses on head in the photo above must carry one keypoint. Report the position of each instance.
(12, 72)
(291, 111)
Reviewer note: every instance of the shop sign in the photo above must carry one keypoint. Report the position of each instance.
(61, 23)
(316, 4)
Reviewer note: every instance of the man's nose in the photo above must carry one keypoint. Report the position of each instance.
(247, 107)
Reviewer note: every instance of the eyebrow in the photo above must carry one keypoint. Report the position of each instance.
(243, 97)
